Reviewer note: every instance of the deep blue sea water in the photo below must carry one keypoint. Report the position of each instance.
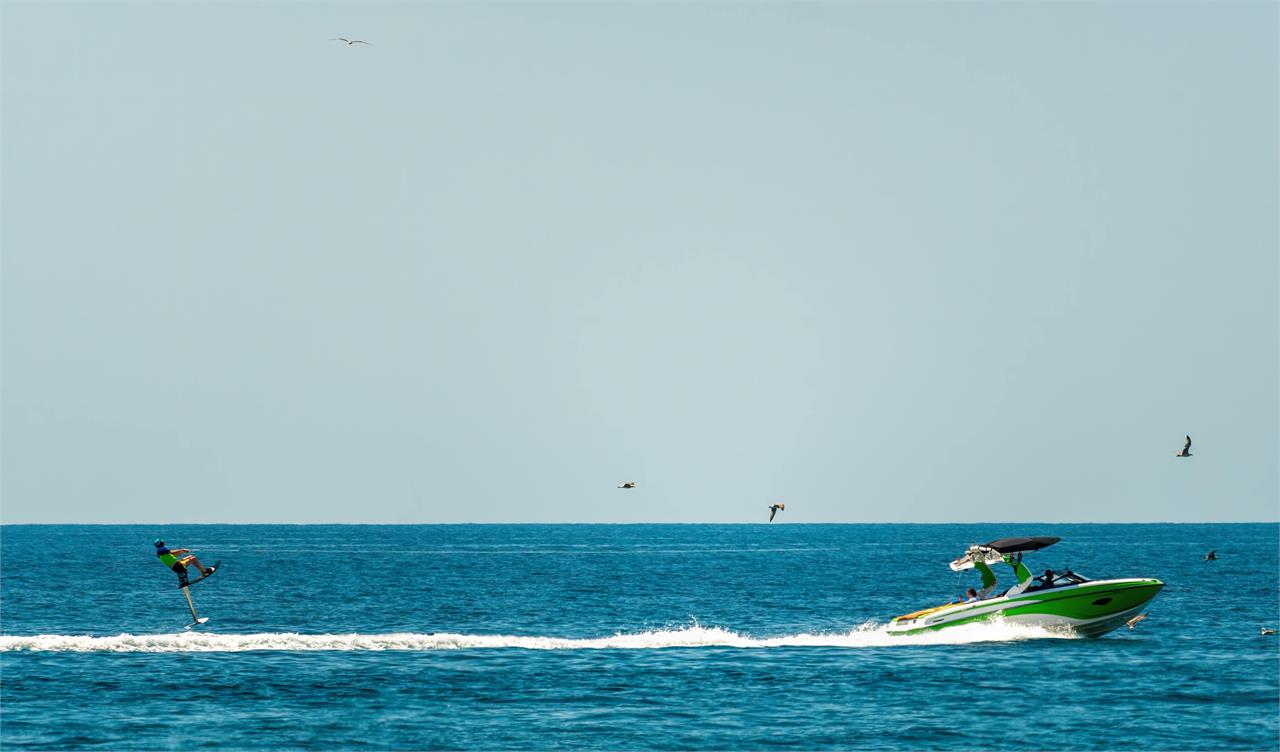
(626, 636)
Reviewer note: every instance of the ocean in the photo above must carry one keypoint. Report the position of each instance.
(621, 637)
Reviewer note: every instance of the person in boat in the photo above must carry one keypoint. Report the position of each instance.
(169, 557)
(1046, 580)
(971, 596)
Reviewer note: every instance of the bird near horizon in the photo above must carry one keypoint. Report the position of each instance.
(774, 508)
(1186, 449)
(348, 41)
(627, 484)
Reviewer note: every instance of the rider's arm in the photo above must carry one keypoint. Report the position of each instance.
(177, 551)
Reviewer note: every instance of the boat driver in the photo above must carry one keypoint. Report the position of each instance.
(1046, 581)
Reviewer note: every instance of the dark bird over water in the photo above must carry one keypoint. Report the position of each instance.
(1268, 631)
(1211, 556)
(348, 41)
(627, 484)
(773, 509)
(1186, 449)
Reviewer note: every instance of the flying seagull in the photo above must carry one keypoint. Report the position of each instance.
(1186, 449)
(627, 484)
(1268, 631)
(774, 508)
(348, 41)
(1211, 556)
(1134, 621)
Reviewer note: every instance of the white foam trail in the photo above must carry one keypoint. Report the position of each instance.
(869, 635)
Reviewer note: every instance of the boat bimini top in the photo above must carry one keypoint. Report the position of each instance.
(995, 551)
(1000, 550)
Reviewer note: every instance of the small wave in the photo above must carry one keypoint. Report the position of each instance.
(869, 635)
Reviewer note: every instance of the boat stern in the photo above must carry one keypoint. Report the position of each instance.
(926, 620)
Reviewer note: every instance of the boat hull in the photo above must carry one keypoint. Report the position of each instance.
(1090, 609)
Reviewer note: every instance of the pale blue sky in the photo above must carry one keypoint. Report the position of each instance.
(881, 262)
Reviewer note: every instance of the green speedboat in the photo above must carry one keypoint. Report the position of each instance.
(1059, 600)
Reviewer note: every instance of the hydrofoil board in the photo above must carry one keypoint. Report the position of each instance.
(212, 569)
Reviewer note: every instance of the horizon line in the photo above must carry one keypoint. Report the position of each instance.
(459, 524)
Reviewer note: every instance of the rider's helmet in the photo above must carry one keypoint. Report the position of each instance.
(159, 543)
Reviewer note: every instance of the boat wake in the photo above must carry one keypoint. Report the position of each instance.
(869, 635)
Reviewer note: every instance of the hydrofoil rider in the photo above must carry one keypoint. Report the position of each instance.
(169, 557)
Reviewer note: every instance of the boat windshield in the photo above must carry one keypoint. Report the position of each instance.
(1069, 578)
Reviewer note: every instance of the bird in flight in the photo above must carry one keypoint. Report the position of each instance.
(1134, 621)
(773, 510)
(1186, 449)
(348, 41)
(627, 484)
(1211, 556)
(1268, 631)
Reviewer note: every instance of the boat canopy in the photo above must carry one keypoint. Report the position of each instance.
(1014, 545)
(995, 551)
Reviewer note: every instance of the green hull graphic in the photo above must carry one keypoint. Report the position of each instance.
(1091, 609)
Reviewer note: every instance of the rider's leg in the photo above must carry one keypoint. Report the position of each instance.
(192, 561)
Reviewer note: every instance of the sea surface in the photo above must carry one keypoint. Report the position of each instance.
(621, 637)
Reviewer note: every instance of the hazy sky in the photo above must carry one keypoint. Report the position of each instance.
(881, 262)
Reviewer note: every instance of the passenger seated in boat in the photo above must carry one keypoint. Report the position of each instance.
(970, 596)
(1046, 581)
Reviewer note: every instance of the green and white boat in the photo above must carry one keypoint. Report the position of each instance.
(1061, 600)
